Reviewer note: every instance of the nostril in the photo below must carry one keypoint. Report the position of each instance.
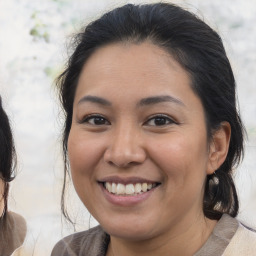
(122, 165)
(124, 153)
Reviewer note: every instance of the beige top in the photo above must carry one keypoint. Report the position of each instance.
(12, 233)
(229, 238)
(242, 243)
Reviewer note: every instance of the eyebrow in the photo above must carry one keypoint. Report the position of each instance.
(159, 99)
(143, 102)
(95, 99)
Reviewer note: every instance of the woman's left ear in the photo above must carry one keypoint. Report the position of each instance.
(219, 146)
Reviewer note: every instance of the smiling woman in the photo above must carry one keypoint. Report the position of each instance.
(152, 135)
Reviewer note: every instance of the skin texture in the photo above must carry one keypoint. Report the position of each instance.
(163, 140)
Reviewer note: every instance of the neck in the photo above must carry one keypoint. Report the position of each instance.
(183, 241)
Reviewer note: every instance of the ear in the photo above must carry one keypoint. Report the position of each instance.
(219, 146)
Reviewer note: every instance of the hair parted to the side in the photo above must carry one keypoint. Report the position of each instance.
(7, 158)
(199, 50)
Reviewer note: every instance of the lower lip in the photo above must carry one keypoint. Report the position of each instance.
(126, 200)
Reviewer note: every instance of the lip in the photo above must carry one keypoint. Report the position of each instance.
(127, 200)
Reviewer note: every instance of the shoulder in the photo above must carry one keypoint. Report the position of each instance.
(17, 220)
(13, 233)
(93, 241)
(18, 227)
(242, 243)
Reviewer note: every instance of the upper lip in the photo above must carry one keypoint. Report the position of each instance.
(126, 180)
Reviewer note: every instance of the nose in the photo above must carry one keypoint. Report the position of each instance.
(125, 148)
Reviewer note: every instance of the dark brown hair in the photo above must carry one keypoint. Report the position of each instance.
(7, 158)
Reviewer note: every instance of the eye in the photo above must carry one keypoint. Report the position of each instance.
(159, 120)
(95, 120)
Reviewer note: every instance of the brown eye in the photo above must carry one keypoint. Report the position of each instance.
(159, 120)
(96, 120)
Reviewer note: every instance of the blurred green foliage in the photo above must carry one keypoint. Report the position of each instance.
(39, 30)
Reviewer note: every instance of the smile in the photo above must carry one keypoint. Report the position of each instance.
(128, 189)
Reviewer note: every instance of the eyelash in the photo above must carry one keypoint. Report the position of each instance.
(160, 117)
(94, 117)
(103, 121)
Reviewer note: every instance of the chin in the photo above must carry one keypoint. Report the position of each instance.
(128, 230)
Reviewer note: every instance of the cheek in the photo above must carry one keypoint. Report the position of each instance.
(181, 158)
(84, 154)
(84, 157)
(183, 164)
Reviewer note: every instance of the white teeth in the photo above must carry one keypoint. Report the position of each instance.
(120, 189)
(113, 189)
(137, 188)
(109, 187)
(129, 189)
(144, 187)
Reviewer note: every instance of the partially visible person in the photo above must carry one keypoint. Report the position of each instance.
(12, 226)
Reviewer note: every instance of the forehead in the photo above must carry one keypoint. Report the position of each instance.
(130, 56)
(144, 65)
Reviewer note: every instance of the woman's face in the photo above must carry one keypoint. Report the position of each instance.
(138, 145)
